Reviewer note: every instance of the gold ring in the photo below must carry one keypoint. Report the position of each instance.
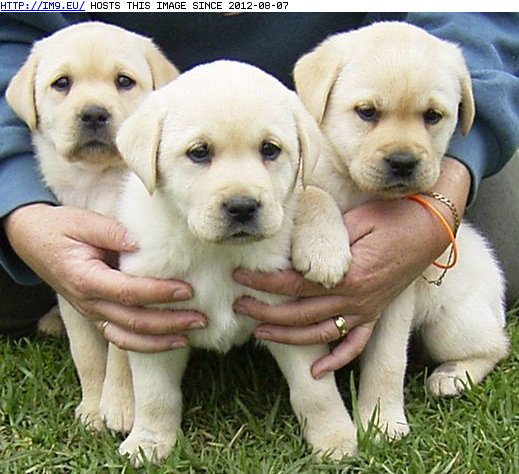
(103, 327)
(341, 325)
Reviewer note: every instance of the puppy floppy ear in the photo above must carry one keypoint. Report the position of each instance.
(314, 76)
(310, 141)
(162, 70)
(138, 141)
(468, 106)
(20, 93)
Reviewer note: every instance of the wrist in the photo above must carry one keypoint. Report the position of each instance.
(454, 183)
(449, 229)
(428, 229)
(11, 221)
(449, 195)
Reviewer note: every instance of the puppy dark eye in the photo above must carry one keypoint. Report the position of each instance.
(62, 84)
(200, 153)
(270, 151)
(125, 82)
(367, 113)
(432, 117)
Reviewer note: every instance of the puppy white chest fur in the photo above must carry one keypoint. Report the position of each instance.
(168, 249)
(79, 184)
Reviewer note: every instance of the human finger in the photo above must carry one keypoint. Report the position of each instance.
(109, 284)
(140, 343)
(319, 333)
(102, 232)
(284, 282)
(301, 312)
(323, 332)
(346, 351)
(146, 321)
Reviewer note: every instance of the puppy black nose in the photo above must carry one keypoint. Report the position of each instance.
(241, 209)
(94, 117)
(402, 164)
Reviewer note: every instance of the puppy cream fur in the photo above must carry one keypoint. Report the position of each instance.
(74, 91)
(387, 99)
(218, 157)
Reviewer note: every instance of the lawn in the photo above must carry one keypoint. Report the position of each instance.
(238, 420)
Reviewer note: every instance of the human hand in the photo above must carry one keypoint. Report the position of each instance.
(392, 243)
(69, 249)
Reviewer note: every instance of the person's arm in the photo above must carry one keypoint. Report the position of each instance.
(20, 180)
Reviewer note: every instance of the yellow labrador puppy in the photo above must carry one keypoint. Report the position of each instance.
(218, 157)
(387, 99)
(74, 91)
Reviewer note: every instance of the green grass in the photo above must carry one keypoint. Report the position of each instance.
(238, 420)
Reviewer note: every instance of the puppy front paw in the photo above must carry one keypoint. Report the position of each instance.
(117, 403)
(143, 446)
(393, 429)
(334, 444)
(118, 416)
(321, 259)
(88, 414)
(390, 423)
(320, 241)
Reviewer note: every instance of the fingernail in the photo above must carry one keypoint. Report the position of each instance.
(262, 333)
(242, 276)
(318, 375)
(241, 305)
(197, 325)
(179, 344)
(129, 243)
(182, 294)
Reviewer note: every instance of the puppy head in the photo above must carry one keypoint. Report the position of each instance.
(78, 85)
(387, 97)
(225, 144)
